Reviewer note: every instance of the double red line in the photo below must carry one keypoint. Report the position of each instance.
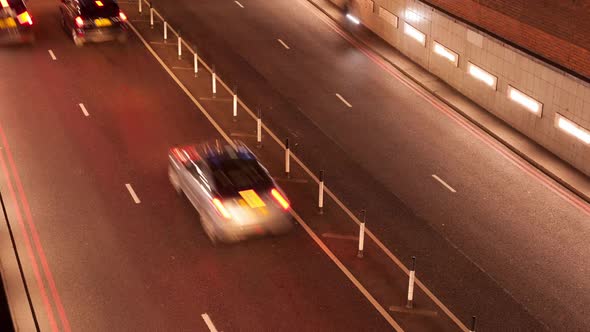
(28, 231)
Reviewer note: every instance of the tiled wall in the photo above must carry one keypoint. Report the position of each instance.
(557, 91)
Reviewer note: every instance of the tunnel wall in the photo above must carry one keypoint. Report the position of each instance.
(561, 93)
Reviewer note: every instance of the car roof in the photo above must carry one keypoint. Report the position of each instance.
(215, 152)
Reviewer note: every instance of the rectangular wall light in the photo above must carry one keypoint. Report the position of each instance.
(446, 53)
(415, 33)
(528, 102)
(572, 128)
(482, 75)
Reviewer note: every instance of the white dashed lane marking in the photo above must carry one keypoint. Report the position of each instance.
(443, 183)
(84, 110)
(209, 323)
(133, 194)
(52, 55)
(343, 100)
(283, 43)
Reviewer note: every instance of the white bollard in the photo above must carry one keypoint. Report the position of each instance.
(259, 129)
(321, 193)
(179, 47)
(362, 235)
(410, 303)
(214, 83)
(165, 31)
(151, 17)
(139, 6)
(196, 63)
(287, 158)
(235, 113)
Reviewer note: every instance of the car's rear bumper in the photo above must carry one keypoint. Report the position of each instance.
(102, 34)
(232, 232)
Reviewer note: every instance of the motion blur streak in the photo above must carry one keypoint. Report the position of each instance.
(27, 241)
(35, 235)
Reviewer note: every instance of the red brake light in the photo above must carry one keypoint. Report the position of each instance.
(79, 22)
(221, 209)
(25, 18)
(122, 16)
(280, 199)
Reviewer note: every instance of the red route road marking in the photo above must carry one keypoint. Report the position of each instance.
(34, 265)
(35, 236)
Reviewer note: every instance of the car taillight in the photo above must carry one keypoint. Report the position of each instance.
(79, 22)
(25, 18)
(221, 208)
(122, 16)
(280, 199)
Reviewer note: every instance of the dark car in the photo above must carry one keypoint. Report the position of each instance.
(15, 22)
(234, 194)
(93, 21)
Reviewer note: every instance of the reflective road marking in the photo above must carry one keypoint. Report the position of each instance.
(209, 322)
(444, 183)
(284, 45)
(52, 55)
(133, 194)
(343, 100)
(83, 109)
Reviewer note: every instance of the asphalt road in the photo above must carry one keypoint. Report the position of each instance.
(96, 260)
(501, 244)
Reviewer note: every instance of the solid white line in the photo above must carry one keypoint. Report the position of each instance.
(347, 272)
(444, 183)
(283, 43)
(182, 87)
(52, 55)
(239, 4)
(209, 323)
(343, 100)
(133, 194)
(84, 110)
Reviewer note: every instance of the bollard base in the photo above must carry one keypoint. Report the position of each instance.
(360, 254)
(410, 305)
(321, 211)
(235, 119)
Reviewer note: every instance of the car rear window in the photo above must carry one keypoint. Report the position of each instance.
(90, 8)
(231, 176)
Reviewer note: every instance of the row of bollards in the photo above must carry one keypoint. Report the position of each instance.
(362, 228)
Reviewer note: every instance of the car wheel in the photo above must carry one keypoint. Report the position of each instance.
(173, 177)
(77, 40)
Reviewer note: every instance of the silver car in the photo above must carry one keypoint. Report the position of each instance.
(234, 194)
